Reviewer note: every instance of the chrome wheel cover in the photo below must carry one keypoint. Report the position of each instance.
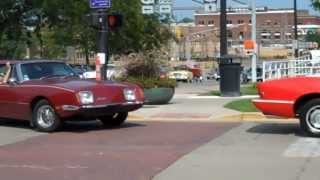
(313, 119)
(45, 116)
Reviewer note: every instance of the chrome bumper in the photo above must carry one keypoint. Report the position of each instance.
(85, 107)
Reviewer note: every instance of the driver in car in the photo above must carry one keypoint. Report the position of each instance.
(5, 77)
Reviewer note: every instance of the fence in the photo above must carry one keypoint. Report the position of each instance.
(290, 68)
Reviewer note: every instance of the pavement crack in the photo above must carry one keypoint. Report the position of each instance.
(303, 169)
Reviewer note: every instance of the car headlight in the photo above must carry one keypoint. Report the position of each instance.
(129, 94)
(86, 97)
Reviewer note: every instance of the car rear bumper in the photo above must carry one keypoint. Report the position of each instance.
(93, 111)
(275, 107)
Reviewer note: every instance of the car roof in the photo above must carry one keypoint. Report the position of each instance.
(28, 61)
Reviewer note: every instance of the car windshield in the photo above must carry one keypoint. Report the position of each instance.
(42, 70)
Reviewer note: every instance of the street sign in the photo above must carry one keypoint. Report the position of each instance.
(100, 4)
(165, 9)
(147, 1)
(147, 9)
(165, 1)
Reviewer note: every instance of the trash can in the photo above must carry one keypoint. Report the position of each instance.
(229, 77)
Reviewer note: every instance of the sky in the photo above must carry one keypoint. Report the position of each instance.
(301, 4)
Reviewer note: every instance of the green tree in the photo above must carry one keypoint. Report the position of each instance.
(186, 20)
(52, 25)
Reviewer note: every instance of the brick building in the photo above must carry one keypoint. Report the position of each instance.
(274, 26)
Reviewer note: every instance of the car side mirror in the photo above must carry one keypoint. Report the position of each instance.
(12, 81)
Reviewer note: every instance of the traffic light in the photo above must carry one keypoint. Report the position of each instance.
(114, 21)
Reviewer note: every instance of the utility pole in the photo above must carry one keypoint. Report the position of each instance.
(296, 52)
(254, 39)
(223, 28)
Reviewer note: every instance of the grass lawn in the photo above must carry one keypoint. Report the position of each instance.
(243, 105)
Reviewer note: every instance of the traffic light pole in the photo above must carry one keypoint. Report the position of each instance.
(296, 51)
(223, 28)
(102, 42)
(254, 39)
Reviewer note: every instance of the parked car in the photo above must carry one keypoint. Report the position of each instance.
(246, 75)
(292, 97)
(80, 69)
(213, 75)
(113, 72)
(181, 75)
(47, 93)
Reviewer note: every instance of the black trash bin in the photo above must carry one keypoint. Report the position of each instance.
(229, 77)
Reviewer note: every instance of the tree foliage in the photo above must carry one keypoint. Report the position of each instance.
(315, 4)
(52, 25)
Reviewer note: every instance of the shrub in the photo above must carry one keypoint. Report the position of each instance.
(144, 69)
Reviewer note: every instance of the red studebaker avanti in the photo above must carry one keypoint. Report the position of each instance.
(47, 93)
(292, 97)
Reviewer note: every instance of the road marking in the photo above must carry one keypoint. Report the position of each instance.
(303, 148)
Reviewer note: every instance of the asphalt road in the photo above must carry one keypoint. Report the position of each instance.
(136, 151)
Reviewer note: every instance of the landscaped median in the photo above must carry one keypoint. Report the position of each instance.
(242, 105)
(247, 111)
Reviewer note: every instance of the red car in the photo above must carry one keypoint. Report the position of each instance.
(292, 97)
(47, 93)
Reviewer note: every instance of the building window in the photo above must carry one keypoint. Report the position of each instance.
(250, 21)
(229, 34)
(241, 35)
(277, 35)
(267, 22)
(210, 22)
(201, 22)
(229, 22)
(240, 21)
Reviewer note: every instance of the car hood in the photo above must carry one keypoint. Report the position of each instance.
(104, 91)
(180, 72)
(77, 84)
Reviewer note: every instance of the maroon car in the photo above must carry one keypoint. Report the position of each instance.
(47, 93)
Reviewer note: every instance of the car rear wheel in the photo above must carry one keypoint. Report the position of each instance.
(310, 118)
(114, 120)
(45, 118)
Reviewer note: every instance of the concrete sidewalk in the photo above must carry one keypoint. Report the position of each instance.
(191, 107)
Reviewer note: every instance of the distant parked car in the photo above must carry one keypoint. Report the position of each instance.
(247, 75)
(113, 72)
(181, 73)
(80, 69)
(213, 75)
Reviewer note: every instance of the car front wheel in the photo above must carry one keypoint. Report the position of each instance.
(310, 118)
(114, 120)
(44, 117)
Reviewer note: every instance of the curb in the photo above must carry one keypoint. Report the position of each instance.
(241, 117)
(257, 117)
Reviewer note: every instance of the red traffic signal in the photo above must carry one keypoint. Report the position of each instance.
(114, 21)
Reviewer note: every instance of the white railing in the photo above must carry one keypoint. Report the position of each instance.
(289, 68)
